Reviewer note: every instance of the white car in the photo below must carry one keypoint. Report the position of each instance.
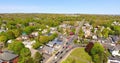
(55, 57)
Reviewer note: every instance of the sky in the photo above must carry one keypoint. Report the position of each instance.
(61, 6)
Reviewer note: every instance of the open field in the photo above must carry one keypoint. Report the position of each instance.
(78, 56)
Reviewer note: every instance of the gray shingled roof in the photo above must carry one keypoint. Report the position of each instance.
(6, 56)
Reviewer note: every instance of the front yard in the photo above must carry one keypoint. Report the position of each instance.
(78, 56)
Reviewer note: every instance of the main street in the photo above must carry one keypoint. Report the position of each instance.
(69, 46)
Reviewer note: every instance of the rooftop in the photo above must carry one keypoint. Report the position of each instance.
(7, 56)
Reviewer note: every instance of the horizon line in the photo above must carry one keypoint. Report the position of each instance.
(57, 13)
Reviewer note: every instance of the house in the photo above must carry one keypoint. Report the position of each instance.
(9, 41)
(47, 50)
(44, 31)
(102, 40)
(2, 29)
(113, 60)
(114, 50)
(19, 38)
(87, 33)
(94, 37)
(109, 40)
(56, 43)
(53, 29)
(87, 30)
(19, 25)
(115, 39)
(71, 33)
(63, 25)
(115, 23)
(31, 23)
(34, 34)
(50, 44)
(24, 36)
(8, 57)
(28, 43)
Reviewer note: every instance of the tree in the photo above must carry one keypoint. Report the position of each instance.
(96, 58)
(81, 33)
(104, 57)
(29, 29)
(25, 56)
(10, 34)
(25, 52)
(43, 39)
(16, 46)
(17, 32)
(105, 32)
(37, 57)
(116, 30)
(98, 54)
(26, 60)
(97, 48)
(111, 32)
(36, 45)
(3, 38)
(53, 36)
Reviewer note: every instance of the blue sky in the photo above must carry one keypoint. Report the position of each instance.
(61, 6)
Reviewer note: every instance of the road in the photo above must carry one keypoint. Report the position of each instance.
(69, 46)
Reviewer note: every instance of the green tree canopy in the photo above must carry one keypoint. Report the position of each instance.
(98, 54)
(97, 48)
(17, 32)
(116, 29)
(105, 32)
(26, 60)
(16, 46)
(29, 29)
(37, 57)
(10, 34)
(25, 52)
(3, 38)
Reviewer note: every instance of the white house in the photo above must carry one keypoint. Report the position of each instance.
(94, 37)
(115, 53)
(35, 34)
(53, 29)
(28, 43)
(44, 31)
(9, 41)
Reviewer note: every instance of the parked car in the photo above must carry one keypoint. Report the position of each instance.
(55, 57)
(61, 57)
(61, 52)
(57, 53)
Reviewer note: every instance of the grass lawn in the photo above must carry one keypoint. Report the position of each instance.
(78, 56)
